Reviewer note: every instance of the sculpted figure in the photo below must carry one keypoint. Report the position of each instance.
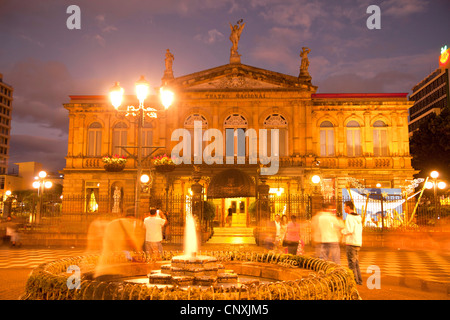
(169, 60)
(236, 31)
(305, 62)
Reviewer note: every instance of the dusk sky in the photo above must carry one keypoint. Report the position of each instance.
(46, 62)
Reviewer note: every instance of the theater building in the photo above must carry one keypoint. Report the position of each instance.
(338, 137)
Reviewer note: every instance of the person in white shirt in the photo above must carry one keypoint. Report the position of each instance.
(353, 239)
(153, 233)
(328, 233)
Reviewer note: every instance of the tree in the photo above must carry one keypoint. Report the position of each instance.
(430, 145)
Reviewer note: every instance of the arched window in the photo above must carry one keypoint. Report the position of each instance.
(326, 139)
(94, 139)
(380, 139)
(120, 132)
(189, 124)
(235, 126)
(354, 148)
(277, 121)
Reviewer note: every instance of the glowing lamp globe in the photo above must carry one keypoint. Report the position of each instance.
(145, 178)
(42, 174)
(315, 179)
(442, 185)
(36, 184)
(167, 97)
(434, 174)
(48, 184)
(429, 185)
(116, 95)
(142, 89)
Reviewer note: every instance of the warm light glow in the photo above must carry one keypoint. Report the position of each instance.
(167, 97)
(8, 193)
(142, 89)
(145, 178)
(434, 174)
(278, 191)
(378, 185)
(429, 185)
(48, 184)
(116, 95)
(442, 185)
(444, 57)
(42, 174)
(190, 236)
(36, 184)
(315, 179)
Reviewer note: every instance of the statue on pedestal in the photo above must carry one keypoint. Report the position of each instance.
(236, 31)
(168, 72)
(304, 74)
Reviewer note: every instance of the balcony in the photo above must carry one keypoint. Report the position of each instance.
(338, 162)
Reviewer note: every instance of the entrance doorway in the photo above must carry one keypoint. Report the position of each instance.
(232, 189)
(239, 209)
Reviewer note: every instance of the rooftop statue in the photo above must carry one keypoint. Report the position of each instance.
(236, 31)
(168, 72)
(305, 62)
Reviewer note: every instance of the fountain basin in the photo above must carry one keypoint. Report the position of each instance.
(284, 277)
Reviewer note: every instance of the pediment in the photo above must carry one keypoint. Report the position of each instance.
(234, 82)
(238, 77)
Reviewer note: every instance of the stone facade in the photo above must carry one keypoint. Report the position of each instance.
(336, 136)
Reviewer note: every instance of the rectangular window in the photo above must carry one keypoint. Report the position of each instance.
(94, 143)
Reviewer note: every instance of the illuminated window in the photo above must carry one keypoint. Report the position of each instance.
(120, 132)
(380, 139)
(235, 126)
(353, 139)
(277, 121)
(326, 139)
(189, 124)
(94, 139)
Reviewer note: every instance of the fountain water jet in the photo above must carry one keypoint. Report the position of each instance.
(190, 236)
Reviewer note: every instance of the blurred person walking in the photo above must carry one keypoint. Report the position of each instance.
(353, 239)
(328, 234)
(123, 235)
(292, 237)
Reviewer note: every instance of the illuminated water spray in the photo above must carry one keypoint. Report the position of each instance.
(190, 236)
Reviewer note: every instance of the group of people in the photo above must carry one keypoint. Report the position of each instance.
(328, 231)
(286, 235)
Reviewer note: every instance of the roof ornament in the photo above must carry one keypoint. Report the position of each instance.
(168, 72)
(236, 31)
(304, 75)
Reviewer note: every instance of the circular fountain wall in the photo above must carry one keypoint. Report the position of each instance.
(288, 278)
(192, 275)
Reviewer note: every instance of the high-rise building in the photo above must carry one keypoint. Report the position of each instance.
(6, 98)
(431, 95)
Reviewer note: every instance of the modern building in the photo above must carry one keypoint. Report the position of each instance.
(342, 138)
(6, 98)
(432, 94)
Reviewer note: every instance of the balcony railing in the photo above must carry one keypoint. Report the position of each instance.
(287, 162)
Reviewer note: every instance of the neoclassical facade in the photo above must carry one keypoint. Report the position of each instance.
(335, 136)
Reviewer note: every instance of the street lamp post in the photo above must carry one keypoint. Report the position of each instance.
(41, 183)
(139, 113)
(435, 185)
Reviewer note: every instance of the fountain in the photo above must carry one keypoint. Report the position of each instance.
(194, 275)
(192, 269)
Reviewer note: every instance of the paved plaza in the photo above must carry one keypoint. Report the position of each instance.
(405, 275)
